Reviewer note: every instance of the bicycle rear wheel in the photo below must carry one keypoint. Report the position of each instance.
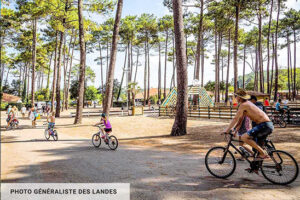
(47, 136)
(219, 163)
(282, 123)
(281, 168)
(113, 142)
(96, 140)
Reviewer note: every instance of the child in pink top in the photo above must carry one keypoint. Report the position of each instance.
(242, 127)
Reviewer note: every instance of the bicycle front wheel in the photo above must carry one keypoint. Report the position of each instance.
(113, 143)
(220, 163)
(55, 135)
(96, 140)
(281, 168)
(47, 135)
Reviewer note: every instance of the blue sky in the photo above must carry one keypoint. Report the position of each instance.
(137, 7)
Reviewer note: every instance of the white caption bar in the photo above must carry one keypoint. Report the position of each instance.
(66, 191)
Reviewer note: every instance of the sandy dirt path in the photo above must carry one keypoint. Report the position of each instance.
(158, 167)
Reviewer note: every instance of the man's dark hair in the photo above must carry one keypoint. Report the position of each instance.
(253, 98)
(279, 100)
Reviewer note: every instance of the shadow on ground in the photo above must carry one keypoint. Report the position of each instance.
(153, 174)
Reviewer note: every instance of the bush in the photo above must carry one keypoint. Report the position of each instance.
(40, 97)
(3, 106)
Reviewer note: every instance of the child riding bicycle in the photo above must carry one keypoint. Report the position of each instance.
(51, 122)
(108, 127)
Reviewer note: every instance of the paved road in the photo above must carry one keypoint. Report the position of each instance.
(27, 157)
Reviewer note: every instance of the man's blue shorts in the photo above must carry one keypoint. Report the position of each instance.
(261, 130)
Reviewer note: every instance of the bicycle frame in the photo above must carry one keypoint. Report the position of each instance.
(235, 148)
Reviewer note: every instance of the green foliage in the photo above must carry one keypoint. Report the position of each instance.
(40, 97)
(91, 93)
(3, 106)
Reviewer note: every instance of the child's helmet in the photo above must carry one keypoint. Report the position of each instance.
(103, 115)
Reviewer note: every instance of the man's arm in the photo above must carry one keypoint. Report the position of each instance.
(236, 118)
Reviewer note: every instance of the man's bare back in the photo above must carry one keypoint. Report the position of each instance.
(253, 112)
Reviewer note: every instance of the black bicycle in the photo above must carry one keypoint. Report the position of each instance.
(281, 168)
(279, 119)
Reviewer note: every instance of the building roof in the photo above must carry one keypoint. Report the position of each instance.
(10, 98)
(152, 92)
(257, 93)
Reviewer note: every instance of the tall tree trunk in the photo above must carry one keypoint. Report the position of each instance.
(54, 73)
(260, 59)
(145, 75)
(57, 110)
(288, 65)
(66, 98)
(79, 107)
(256, 69)
(49, 70)
(25, 84)
(173, 60)
(268, 48)
(273, 62)
(34, 27)
(228, 67)
(120, 89)
(107, 58)
(128, 71)
(159, 74)
(110, 81)
(101, 66)
(137, 63)
(276, 55)
(166, 60)
(69, 75)
(218, 70)
(202, 61)
(148, 89)
(244, 65)
(235, 45)
(65, 71)
(198, 52)
(295, 68)
(27, 91)
(179, 126)
(199, 37)
(58, 98)
(216, 62)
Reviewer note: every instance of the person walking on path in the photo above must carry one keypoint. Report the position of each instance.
(32, 116)
(23, 111)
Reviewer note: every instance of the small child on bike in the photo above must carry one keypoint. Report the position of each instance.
(106, 122)
(51, 121)
(242, 127)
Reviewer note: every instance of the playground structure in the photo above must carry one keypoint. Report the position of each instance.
(203, 97)
(167, 108)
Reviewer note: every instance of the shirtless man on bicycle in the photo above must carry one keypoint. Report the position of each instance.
(263, 127)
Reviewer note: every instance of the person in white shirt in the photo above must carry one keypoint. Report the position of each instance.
(23, 111)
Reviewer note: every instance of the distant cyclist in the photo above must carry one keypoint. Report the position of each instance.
(106, 122)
